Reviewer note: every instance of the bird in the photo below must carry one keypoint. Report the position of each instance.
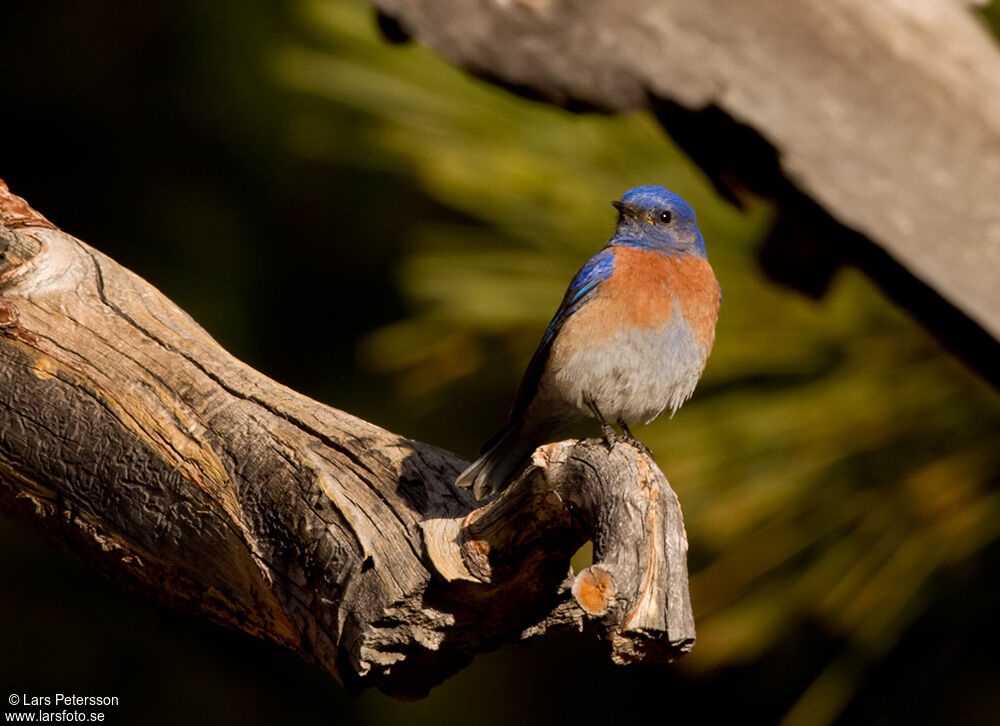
(629, 341)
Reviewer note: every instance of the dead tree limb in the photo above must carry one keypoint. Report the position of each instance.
(132, 439)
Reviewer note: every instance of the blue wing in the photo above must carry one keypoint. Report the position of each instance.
(583, 286)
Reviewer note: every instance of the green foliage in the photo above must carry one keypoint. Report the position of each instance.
(835, 463)
(991, 12)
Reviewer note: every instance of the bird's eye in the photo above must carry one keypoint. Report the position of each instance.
(665, 216)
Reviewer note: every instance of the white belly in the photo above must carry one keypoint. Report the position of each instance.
(635, 375)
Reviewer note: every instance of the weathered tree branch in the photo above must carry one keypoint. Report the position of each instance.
(132, 439)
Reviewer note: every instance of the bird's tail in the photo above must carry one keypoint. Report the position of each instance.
(492, 472)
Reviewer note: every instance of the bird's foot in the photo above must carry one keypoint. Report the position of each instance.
(611, 437)
(633, 441)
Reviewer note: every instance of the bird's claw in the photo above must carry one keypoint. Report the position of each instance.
(633, 441)
(641, 447)
(611, 437)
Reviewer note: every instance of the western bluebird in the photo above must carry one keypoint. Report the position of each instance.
(629, 340)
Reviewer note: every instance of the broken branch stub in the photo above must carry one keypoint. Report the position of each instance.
(636, 591)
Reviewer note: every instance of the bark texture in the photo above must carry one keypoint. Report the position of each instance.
(863, 120)
(131, 438)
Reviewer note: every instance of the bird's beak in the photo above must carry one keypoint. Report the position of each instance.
(625, 211)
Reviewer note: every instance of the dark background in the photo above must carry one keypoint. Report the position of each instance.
(369, 226)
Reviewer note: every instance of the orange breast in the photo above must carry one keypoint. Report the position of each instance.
(644, 288)
(643, 292)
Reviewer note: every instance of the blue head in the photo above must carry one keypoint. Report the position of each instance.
(655, 218)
